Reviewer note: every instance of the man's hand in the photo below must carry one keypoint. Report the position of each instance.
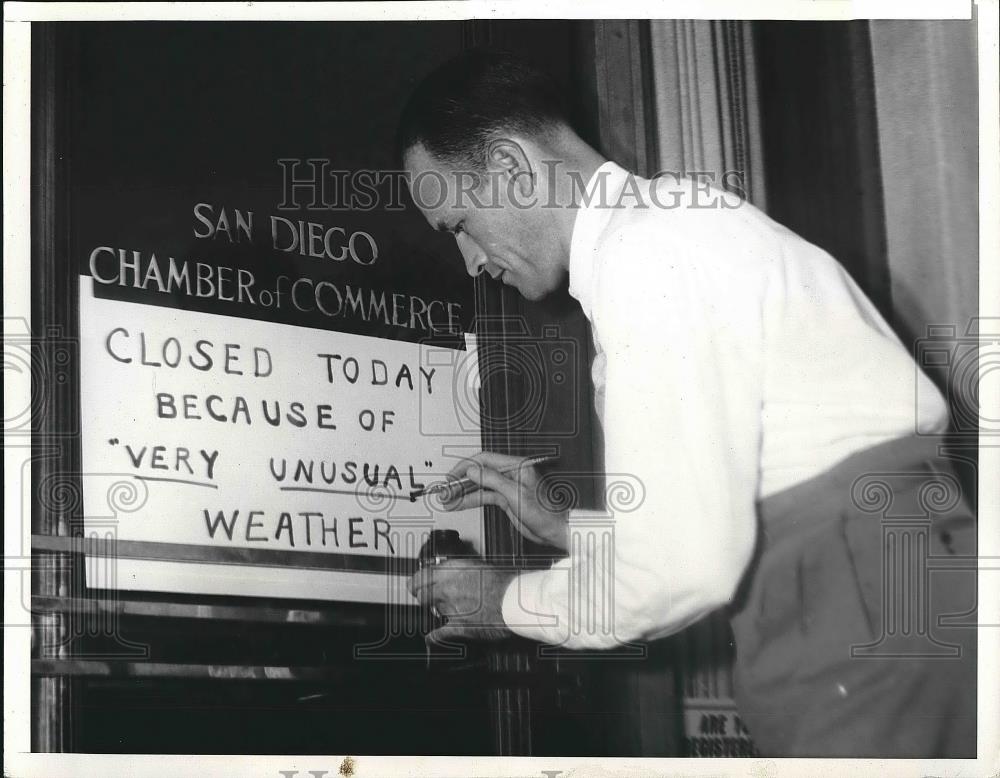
(516, 493)
(469, 593)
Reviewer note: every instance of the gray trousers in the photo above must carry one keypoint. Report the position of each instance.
(855, 624)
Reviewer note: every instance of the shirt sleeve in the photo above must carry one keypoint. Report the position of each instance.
(683, 334)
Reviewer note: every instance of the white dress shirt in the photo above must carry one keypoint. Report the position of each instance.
(734, 360)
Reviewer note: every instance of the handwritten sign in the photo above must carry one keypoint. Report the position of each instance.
(267, 457)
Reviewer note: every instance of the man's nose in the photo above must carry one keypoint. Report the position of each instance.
(475, 257)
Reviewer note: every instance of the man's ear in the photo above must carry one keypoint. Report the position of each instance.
(507, 157)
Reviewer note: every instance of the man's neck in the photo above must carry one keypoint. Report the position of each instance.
(578, 164)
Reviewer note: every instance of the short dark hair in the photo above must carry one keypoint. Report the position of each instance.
(462, 105)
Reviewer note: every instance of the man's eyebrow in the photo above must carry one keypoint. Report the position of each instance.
(442, 226)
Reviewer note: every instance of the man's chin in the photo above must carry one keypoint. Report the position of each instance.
(532, 295)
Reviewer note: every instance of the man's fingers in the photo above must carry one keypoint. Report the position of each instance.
(476, 499)
(450, 634)
(497, 490)
(504, 491)
(420, 585)
(458, 471)
(487, 458)
(489, 496)
(489, 478)
(497, 461)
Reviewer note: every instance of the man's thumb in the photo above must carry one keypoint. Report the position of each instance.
(491, 479)
(448, 636)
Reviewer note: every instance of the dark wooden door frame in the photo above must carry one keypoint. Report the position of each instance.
(56, 501)
(821, 148)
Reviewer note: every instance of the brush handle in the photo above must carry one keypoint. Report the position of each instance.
(462, 486)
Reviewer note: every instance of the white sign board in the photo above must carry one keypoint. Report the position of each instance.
(233, 456)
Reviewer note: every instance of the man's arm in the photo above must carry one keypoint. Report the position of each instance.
(683, 341)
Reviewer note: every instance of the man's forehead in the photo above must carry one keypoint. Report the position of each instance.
(418, 159)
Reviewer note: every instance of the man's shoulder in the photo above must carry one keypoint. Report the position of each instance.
(680, 221)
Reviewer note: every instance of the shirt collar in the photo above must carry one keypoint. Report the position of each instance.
(591, 220)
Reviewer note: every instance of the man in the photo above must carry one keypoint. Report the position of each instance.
(751, 388)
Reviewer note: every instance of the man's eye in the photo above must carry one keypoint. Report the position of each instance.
(458, 228)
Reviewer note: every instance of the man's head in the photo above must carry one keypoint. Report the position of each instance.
(483, 138)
